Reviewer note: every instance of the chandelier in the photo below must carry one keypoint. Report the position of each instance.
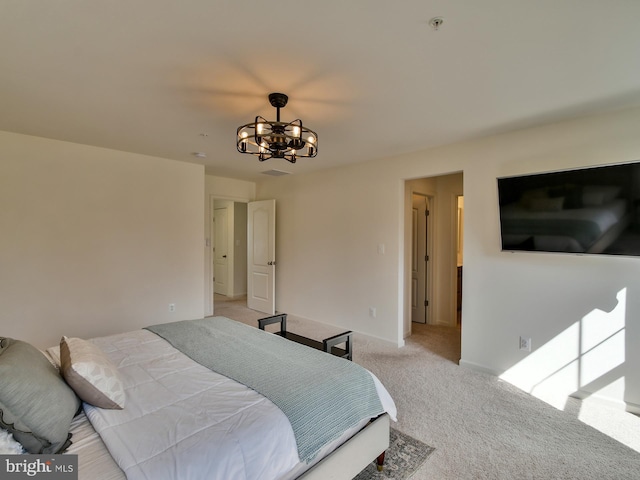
(277, 139)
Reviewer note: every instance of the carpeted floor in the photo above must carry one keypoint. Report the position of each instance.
(481, 427)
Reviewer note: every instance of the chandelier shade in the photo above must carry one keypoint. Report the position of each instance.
(266, 139)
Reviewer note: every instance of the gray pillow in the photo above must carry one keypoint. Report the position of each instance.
(36, 405)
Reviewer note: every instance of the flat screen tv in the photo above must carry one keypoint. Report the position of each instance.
(584, 211)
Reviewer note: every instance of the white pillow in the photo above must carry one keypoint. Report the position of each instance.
(8, 446)
(91, 374)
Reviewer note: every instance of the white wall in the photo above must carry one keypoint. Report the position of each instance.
(95, 241)
(329, 226)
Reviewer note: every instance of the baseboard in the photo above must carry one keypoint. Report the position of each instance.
(399, 344)
(479, 368)
(581, 395)
(632, 408)
(237, 296)
(608, 402)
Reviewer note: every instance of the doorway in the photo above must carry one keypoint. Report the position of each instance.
(442, 230)
(228, 249)
(238, 233)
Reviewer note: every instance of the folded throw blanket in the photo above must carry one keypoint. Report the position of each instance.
(321, 395)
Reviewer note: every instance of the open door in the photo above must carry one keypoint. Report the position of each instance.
(261, 256)
(419, 259)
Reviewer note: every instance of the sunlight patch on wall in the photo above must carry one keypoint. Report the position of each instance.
(579, 359)
(603, 341)
(551, 372)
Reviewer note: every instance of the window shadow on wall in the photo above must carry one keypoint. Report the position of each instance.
(588, 358)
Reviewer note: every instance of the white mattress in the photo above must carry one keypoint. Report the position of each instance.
(221, 409)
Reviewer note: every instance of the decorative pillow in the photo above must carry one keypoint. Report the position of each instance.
(36, 405)
(8, 446)
(91, 374)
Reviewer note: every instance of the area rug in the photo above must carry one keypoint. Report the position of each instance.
(404, 456)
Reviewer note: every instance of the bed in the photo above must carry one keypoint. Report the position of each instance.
(181, 419)
(558, 220)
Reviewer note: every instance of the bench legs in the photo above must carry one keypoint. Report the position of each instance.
(380, 461)
(345, 338)
(281, 319)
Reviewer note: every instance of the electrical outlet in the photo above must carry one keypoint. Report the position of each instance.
(172, 307)
(372, 312)
(525, 343)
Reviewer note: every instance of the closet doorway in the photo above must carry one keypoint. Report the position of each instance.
(442, 198)
(228, 248)
(419, 258)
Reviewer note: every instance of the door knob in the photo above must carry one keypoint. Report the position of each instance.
(224, 256)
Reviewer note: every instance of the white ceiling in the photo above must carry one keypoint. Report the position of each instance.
(370, 76)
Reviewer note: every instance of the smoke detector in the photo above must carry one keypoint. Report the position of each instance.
(436, 22)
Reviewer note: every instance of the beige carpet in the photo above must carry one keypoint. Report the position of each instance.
(480, 426)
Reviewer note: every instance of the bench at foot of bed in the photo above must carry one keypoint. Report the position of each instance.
(328, 345)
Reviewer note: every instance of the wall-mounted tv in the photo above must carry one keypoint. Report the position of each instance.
(591, 210)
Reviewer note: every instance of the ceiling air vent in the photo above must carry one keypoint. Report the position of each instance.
(276, 173)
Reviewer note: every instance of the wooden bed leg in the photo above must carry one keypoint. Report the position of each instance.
(380, 461)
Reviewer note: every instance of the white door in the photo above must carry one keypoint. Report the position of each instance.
(419, 259)
(221, 251)
(261, 256)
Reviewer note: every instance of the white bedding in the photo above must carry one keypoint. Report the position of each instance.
(184, 421)
(94, 460)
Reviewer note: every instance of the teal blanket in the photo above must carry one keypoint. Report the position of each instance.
(322, 395)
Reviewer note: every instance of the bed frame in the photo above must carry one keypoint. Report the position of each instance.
(370, 443)
(344, 463)
(355, 454)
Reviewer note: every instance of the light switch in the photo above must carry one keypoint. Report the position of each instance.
(381, 248)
